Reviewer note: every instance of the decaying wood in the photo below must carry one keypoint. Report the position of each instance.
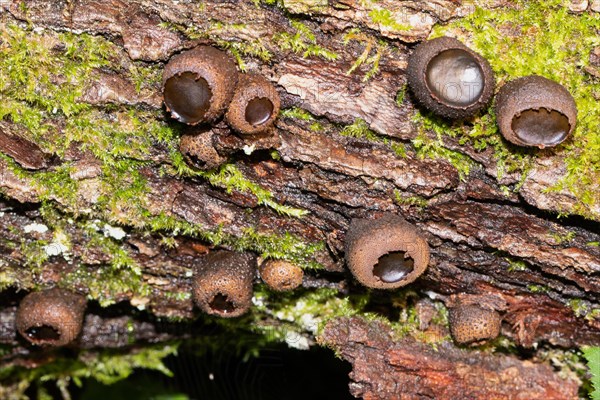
(388, 369)
(474, 229)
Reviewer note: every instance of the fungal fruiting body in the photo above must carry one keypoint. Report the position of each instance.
(199, 84)
(198, 150)
(385, 253)
(51, 317)
(473, 324)
(535, 111)
(223, 283)
(281, 275)
(450, 79)
(255, 105)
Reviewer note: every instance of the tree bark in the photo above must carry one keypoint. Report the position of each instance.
(509, 248)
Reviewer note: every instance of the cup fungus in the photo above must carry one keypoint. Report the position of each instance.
(281, 275)
(198, 84)
(255, 105)
(51, 317)
(198, 150)
(474, 325)
(450, 79)
(223, 283)
(386, 253)
(535, 111)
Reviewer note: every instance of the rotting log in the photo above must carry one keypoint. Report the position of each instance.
(384, 368)
(490, 234)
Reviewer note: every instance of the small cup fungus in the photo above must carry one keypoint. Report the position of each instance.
(51, 317)
(281, 275)
(386, 253)
(198, 150)
(223, 283)
(535, 111)
(450, 79)
(473, 324)
(255, 105)
(198, 84)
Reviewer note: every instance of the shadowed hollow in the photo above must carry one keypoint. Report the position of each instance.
(393, 267)
(541, 126)
(43, 333)
(258, 111)
(188, 97)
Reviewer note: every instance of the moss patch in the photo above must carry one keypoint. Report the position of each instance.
(106, 366)
(42, 76)
(303, 42)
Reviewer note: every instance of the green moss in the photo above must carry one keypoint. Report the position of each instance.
(371, 45)
(304, 311)
(517, 265)
(360, 129)
(230, 178)
(221, 33)
(554, 43)
(106, 366)
(538, 288)
(562, 238)
(401, 95)
(303, 42)
(45, 89)
(307, 7)
(296, 113)
(145, 76)
(570, 364)
(426, 147)
(267, 245)
(580, 308)
(302, 115)
(385, 19)
(403, 200)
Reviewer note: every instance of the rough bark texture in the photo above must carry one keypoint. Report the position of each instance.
(484, 241)
(385, 368)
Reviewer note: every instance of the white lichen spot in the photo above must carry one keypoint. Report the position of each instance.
(35, 227)
(249, 149)
(114, 232)
(139, 302)
(300, 305)
(258, 301)
(310, 323)
(55, 249)
(295, 340)
(189, 273)
(60, 246)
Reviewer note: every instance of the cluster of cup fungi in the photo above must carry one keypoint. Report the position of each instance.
(454, 82)
(202, 85)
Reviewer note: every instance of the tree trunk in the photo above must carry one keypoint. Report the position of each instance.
(98, 199)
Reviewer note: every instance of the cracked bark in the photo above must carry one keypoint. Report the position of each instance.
(473, 228)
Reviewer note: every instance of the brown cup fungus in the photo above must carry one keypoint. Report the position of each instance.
(535, 111)
(198, 150)
(281, 275)
(198, 85)
(51, 317)
(450, 79)
(254, 107)
(473, 324)
(386, 253)
(223, 283)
